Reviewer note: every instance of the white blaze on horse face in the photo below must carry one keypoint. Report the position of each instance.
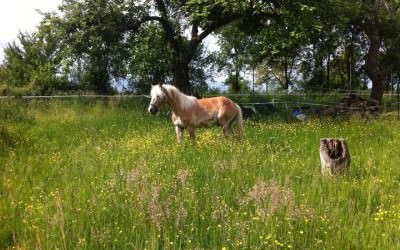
(151, 108)
(154, 104)
(157, 98)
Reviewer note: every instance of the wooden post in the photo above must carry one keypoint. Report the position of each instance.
(335, 156)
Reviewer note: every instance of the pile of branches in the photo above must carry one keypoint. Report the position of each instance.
(352, 105)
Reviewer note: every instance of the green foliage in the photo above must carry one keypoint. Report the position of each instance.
(380, 21)
(93, 33)
(34, 63)
(143, 42)
(150, 59)
(234, 55)
(308, 45)
(236, 85)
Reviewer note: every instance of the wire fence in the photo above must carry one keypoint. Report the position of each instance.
(71, 96)
(281, 101)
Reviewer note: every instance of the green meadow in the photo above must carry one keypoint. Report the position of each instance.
(104, 174)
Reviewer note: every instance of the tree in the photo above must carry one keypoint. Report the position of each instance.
(233, 56)
(149, 60)
(380, 21)
(241, 85)
(274, 45)
(16, 64)
(35, 62)
(279, 45)
(92, 37)
(200, 70)
(106, 24)
(382, 27)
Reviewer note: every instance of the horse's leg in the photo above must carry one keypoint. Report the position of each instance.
(191, 133)
(179, 133)
(232, 123)
(224, 123)
(226, 128)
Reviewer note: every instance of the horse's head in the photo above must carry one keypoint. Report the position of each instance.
(158, 97)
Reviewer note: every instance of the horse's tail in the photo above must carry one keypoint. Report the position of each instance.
(239, 123)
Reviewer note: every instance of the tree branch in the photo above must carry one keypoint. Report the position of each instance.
(163, 20)
(220, 22)
(196, 38)
(167, 27)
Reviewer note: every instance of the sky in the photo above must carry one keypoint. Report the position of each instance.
(21, 15)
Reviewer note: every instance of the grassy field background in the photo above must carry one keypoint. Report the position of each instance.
(103, 174)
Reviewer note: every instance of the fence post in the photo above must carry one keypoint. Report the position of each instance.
(8, 85)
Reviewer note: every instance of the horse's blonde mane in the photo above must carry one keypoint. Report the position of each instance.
(184, 101)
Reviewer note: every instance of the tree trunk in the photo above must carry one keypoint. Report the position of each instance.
(328, 71)
(378, 88)
(335, 156)
(287, 80)
(349, 65)
(375, 71)
(181, 77)
(235, 83)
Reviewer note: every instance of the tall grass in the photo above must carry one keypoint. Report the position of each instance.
(106, 175)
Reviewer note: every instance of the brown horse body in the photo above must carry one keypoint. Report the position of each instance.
(190, 113)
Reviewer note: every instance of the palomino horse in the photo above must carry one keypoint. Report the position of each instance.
(188, 112)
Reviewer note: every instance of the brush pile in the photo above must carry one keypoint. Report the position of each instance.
(354, 105)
